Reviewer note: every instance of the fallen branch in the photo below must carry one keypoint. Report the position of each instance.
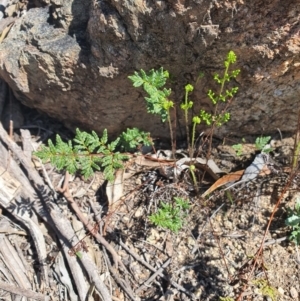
(67, 194)
(127, 289)
(59, 222)
(146, 264)
(26, 191)
(153, 276)
(21, 291)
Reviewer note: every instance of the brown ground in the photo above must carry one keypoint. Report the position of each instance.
(212, 256)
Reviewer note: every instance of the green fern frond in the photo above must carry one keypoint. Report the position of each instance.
(61, 154)
(88, 154)
(152, 84)
(112, 146)
(107, 160)
(86, 142)
(109, 173)
(104, 137)
(52, 149)
(44, 153)
(133, 138)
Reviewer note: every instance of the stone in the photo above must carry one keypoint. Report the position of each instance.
(12, 112)
(280, 291)
(294, 293)
(72, 58)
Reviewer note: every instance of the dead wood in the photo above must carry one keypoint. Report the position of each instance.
(49, 211)
(13, 171)
(13, 262)
(88, 225)
(21, 291)
(159, 273)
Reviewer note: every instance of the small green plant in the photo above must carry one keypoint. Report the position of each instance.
(158, 101)
(171, 216)
(293, 220)
(238, 149)
(153, 82)
(261, 143)
(86, 153)
(216, 118)
(265, 288)
(186, 106)
(133, 138)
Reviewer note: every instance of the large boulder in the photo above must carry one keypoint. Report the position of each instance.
(71, 59)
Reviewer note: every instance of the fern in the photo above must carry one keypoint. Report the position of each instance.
(88, 154)
(266, 289)
(171, 216)
(261, 143)
(152, 83)
(133, 138)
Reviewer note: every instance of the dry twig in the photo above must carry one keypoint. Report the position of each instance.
(146, 264)
(58, 221)
(67, 194)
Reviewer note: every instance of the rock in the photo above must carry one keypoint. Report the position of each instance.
(294, 293)
(3, 95)
(71, 59)
(10, 10)
(280, 291)
(3, 5)
(10, 108)
(12, 112)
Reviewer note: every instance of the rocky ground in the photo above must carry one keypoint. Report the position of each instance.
(222, 250)
(233, 244)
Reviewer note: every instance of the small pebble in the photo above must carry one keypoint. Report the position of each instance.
(228, 225)
(294, 293)
(280, 291)
(139, 212)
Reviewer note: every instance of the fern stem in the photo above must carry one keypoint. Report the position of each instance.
(192, 168)
(193, 140)
(171, 135)
(186, 115)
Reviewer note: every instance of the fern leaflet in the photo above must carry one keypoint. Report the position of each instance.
(88, 154)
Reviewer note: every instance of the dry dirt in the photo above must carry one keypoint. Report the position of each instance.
(212, 256)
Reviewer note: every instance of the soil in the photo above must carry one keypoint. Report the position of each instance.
(226, 248)
(213, 255)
